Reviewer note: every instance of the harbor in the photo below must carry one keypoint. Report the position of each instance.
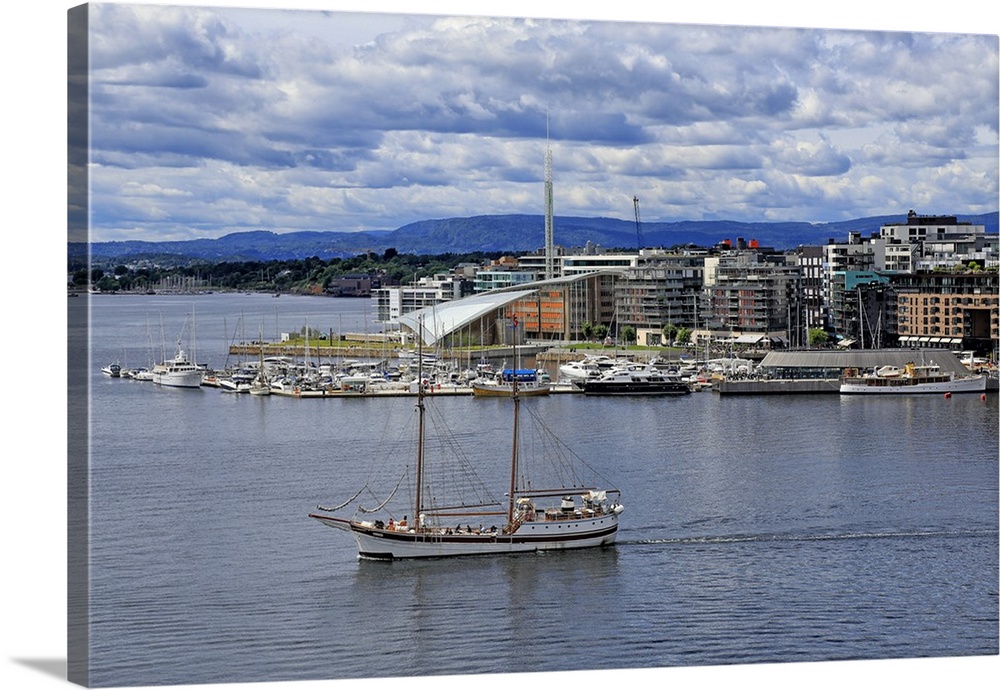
(304, 362)
(713, 485)
(311, 372)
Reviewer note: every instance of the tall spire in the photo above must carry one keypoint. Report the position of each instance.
(549, 242)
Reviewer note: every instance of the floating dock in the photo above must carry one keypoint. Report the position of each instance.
(776, 386)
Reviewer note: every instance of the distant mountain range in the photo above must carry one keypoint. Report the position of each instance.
(516, 234)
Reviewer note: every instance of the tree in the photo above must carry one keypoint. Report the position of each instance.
(601, 332)
(628, 335)
(108, 284)
(670, 333)
(80, 276)
(684, 335)
(818, 337)
(587, 328)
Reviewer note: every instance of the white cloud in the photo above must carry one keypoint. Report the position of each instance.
(430, 117)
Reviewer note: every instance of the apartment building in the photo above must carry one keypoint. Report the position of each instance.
(393, 302)
(757, 292)
(662, 291)
(948, 309)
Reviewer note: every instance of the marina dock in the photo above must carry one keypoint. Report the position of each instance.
(776, 386)
(433, 392)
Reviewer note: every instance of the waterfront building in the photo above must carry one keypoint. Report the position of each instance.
(551, 311)
(495, 278)
(862, 309)
(660, 291)
(393, 302)
(959, 310)
(931, 242)
(354, 285)
(814, 310)
(593, 259)
(558, 309)
(755, 292)
(830, 364)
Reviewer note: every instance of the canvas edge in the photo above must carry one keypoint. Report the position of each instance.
(78, 354)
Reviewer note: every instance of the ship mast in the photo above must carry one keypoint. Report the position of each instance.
(420, 421)
(514, 445)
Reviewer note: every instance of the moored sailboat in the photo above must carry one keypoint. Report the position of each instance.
(527, 382)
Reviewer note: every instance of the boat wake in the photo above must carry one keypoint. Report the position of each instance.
(744, 538)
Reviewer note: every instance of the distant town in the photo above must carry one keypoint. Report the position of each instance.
(924, 281)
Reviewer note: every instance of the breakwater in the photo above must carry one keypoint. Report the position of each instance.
(379, 351)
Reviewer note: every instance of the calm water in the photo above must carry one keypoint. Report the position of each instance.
(799, 528)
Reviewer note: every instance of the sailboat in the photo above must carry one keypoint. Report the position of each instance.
(532, 517)
(260, 384)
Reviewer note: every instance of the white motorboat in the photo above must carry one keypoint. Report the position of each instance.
(590, 367)
(142, 374)
(635, 379)
(178, 372)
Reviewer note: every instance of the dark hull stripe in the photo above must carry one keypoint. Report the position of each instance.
(482, 539)
(625, 389)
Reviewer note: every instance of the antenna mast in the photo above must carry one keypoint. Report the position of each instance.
(638, 224)
(549, 241)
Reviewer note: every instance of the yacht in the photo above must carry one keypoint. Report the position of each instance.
(911, 379)
(179, 372)
(635, 379)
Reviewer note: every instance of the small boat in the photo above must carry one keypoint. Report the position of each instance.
(635, 379)
(582, 515)
(142, 374)
(590, 367)
(178, 372)
(260, 386)
(114, 370)
(912, 379)
(528, 382)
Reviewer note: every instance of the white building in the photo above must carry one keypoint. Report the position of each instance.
(393, 302)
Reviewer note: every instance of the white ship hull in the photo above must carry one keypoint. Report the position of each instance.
(178, 379)
(883, 386)
(385, 544)
(178, 372)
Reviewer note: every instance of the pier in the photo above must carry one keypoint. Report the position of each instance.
(775, 386)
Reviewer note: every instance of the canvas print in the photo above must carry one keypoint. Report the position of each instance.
(420, 346)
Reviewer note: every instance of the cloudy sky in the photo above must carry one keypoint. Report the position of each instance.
(207, 121)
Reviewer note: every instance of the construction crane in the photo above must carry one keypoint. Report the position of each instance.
(638, 223)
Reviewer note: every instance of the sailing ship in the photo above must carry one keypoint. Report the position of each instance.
(533, 517)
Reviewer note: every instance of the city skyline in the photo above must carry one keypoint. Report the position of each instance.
(207, 121)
